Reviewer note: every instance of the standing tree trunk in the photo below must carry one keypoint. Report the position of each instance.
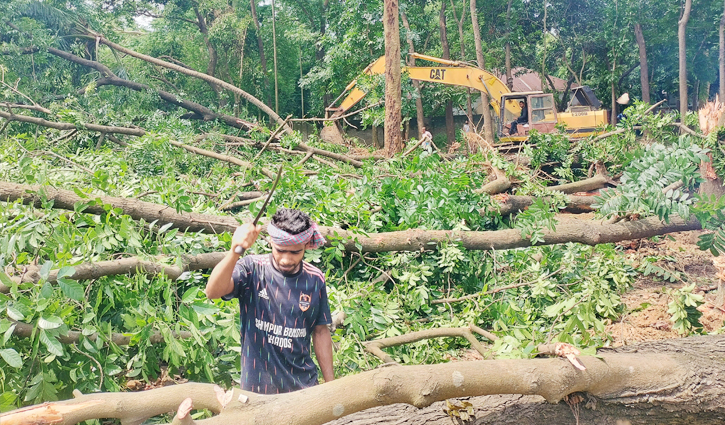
(274, 55)
(643, 71)
(416, 84)
(450, 128)
(469, 115)
(393, 140)
(260, 45)
(509, 74)
(213, 56)
(486, 110)
(681, 33)
(722, 56)
(613, 90)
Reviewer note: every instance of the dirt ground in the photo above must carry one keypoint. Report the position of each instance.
(647, 318)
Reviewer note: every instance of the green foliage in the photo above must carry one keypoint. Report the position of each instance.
(683, 309)
(648, 267)
(547, 147)
(538, 216)
(648, 185)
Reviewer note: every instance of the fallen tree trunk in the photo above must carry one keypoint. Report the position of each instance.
(109, 78)
(673, 381)
(501, 184)
(25, 330)
(586, 232)
(512, 204)
(221, 157)
(208, 78)
(68, 126)
(302, 147)
(592, 183)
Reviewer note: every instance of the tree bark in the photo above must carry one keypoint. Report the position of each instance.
(512, 204)
(391, 29)
(487, 117)
(682, 43)
(672, 381)
(420, 118)
(586, 232)
(450, 126)
(643, 70)
(251, 99)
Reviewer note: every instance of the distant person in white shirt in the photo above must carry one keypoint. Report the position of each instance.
(466, 127)
(427, 141)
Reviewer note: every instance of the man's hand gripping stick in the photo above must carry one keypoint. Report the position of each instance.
(239, 249)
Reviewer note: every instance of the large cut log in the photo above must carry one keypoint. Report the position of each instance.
(674, 382)
(586, 232)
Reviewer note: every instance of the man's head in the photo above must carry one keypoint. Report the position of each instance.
(522, 104)
(291, 232)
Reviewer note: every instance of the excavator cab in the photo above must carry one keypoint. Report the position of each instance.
(541, 114)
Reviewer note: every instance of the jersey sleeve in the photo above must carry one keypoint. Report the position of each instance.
(241, 276)
(323, 316)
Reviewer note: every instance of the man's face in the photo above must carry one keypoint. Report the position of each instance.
(288, 258)
(522, 104)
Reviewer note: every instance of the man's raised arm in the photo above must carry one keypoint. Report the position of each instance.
(220, 281)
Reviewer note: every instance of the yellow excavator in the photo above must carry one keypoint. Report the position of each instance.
(581, 119)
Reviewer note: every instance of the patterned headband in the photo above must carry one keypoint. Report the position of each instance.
(310, 236)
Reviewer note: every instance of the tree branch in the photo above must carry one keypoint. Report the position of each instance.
(586, 232)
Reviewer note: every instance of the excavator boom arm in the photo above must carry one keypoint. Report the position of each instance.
(454, 73)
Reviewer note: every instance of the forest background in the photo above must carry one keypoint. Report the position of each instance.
(136, 134)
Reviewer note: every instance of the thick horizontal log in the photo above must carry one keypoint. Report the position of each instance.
(585, 232)
(682, 379)
(512, 204)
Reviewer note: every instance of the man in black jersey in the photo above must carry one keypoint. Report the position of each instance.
(282, 303)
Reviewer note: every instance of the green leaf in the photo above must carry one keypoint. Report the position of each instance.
(204, 309)
(66, 271)
(14, 313)
(189, 295)
(51, 322)
(51, 343)
(46, 291)
(45, 270)
(5, 280)
(12, 357)
(71, 289)
(7, 401)
(8, 333)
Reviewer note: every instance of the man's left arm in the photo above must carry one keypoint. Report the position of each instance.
(322, 343)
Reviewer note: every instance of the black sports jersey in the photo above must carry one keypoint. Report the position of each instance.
(278, 314)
